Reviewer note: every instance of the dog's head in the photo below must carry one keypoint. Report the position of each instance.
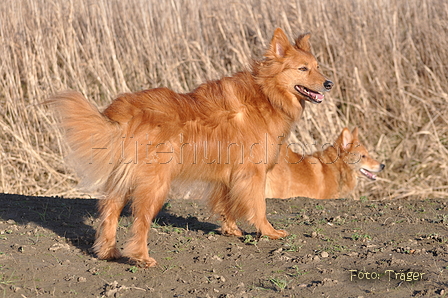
(296, 69)
(355, 154)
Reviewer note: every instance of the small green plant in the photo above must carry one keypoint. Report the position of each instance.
(178, 230)
(182, 244)
(339, 221)
(297, 272)
(291, 243)
(4, 280)
(336, 248)
(322, 221)
(166, 206)
(249, 239)
(358, 236)
(155, 223)
(123, 223)
(133, 269)
(166, 268)
(171, 229)
(278, 271)
(291, 237)
(238, 266)
(279, 283)
(320, 207)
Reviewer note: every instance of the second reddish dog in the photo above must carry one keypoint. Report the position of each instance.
(328, 174)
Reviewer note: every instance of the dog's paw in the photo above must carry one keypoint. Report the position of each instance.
(146, 263)
(232, 232)
(230, 228)
(109, 254)
(275, 234)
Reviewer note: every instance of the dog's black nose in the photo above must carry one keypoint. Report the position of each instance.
(382, 166)
(328, 84)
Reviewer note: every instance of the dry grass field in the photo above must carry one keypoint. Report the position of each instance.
(388, 60)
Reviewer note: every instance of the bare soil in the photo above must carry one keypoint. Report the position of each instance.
(336, 248)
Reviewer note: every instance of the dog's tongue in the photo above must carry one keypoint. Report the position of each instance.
(368, 174)
(316, 96)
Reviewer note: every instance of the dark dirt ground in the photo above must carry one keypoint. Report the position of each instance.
(401, 245)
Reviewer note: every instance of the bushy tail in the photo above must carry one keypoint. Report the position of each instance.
(92, 139)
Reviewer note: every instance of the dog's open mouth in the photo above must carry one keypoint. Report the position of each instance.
(368, 174)
(313, 96)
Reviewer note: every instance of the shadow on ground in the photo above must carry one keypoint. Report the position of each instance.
(74, 219)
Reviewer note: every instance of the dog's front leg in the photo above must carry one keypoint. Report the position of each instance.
(248, 197)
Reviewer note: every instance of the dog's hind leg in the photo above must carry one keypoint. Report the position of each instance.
(229, 226)
(105, 244)
(149, 196)
(219, 202)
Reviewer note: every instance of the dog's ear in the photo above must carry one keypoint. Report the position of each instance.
(279, 45)
(355, 133)
(346, 139)
(303, 43)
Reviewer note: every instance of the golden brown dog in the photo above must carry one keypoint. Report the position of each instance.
(224, 132)
(328, 174)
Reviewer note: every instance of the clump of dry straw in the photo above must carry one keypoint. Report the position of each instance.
(388, 60)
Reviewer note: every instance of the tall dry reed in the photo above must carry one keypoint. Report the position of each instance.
(388, 60)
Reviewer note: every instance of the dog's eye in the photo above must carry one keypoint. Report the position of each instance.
(303, 68)
(363, 156)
